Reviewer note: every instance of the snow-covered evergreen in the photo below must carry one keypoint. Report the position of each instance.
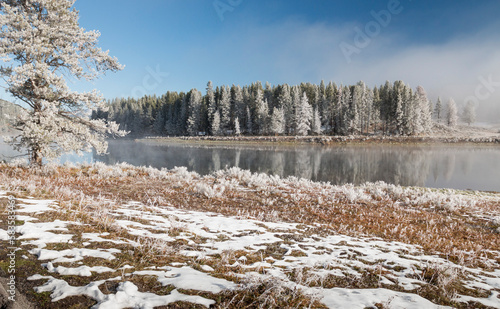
(424, 110)
(237, 130)
(194, 120)
(342, 110)
(451, 113)
(249, 121)
(278, 121)
(316, 122)
(438, 109)
(262, 112)
(225, 108)
(211, 104)
(216, 130)
(42, 45)
(469, 113)
(304, 116)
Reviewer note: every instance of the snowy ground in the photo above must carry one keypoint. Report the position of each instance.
(198, 255)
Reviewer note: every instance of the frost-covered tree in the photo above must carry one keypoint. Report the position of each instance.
(278, 121)
(451, 113)
(225, 108)
(399, 114)
(211, 104)
(41, 44)
(344, 111)
(237, 130)
(216, 123)
(362, 101)
(304, 116)
(469, 113)
(261, 112)
(295, 93)
(424, 109)
(249, 121)
(239, 103)
(285, 102)
(316, 122)
(438, 109)
(194, 108)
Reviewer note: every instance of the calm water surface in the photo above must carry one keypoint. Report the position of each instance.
(474, 167)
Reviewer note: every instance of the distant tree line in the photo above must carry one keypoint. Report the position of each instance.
(305, 109)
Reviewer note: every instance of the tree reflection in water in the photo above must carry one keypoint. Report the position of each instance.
(455, 166)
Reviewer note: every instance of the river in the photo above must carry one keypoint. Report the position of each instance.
(464, 166)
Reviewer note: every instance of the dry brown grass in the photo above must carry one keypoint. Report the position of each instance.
(448, 232)
(460, 235)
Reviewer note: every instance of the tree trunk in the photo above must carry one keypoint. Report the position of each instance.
(36, 156)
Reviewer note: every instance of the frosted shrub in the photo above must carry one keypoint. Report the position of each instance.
(259, 181)
(107, 171)
(208, 191)
(19, 162)
(182, 174)
(156, 173)
(234, 172)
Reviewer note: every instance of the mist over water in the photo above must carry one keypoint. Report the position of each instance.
(473, 167)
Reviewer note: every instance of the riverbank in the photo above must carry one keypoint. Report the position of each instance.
(440, 134)
(121, 234)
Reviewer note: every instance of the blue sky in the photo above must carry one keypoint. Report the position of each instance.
(449, 47)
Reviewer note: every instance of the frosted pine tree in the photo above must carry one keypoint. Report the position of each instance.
(261, 112)
(237, 130)
(360, 106)
(451, 113)
(425, 110)
(285, 102)
(239, 103)
(316, 122)
(438, 109)
(400, 117)
(469, 113)
(412, 120)
(211, 104)
(42, 44)
(278, 121)
(304, 116)
(294, 109)
(249, 121)
(225, 108)
(344, 111)
(194, 108)
(215, 128)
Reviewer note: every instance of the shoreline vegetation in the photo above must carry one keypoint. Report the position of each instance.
(441, 135)
(322, 140)
(287, 241)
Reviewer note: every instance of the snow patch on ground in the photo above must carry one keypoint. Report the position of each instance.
(84, 271)
(284, 248)
(189, 279)
(127, 294)
(363, 298)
